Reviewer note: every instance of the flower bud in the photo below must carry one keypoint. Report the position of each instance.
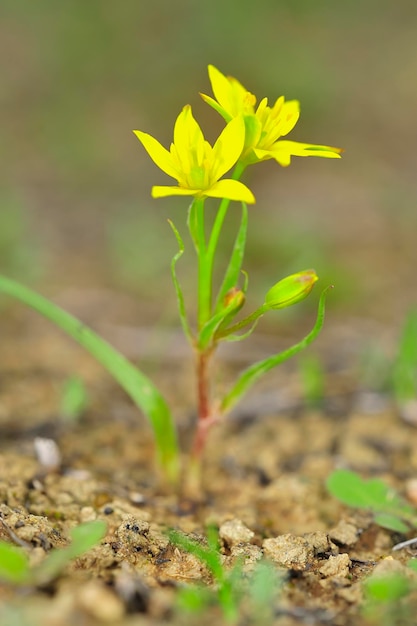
(234, 298)
(291, 289)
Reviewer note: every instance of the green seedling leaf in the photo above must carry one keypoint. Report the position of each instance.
(177, 286)
(390, 510)
(251, 374)
(232, 274)
(412, 563)
(312, 377)
(206, 554)
(84, 537)
(14, 564)
(228, 585)
(74, 399)
(405, 366)
(140, 388)
(391, 522)
(387, 588)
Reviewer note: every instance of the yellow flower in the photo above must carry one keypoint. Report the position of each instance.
(195, 164)
(264, 124)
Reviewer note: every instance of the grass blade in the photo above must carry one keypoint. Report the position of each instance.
(142, 391)
(177, 286)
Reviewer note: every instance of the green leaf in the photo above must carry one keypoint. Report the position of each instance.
(390, 510)
(388, 588)
(232, 274)
(252, 373)
(404, 375)
(84, 537)
(14, 565)
(140, 388)
(412, 563)
(391, 522)
(178, 290)
(207, 555)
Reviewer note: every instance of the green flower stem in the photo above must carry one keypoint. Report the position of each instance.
(218, 222)
(204, 273)
(245, 322)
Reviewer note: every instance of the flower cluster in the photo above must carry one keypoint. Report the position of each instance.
(252, 134)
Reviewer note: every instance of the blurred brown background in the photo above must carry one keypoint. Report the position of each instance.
(75, 205)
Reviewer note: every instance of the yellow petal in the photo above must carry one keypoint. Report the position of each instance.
(306, 149)
(289, 115)
(221, 88)
(232, 190)
(230, 93)
(282, 151)
(163, 192)
(228, 147)
(188, 137)
(158, 153)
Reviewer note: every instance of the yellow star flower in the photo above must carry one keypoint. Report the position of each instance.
(195, 164)
(264, 124)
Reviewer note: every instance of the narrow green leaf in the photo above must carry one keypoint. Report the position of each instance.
(412, 563)
(207, 555)
(232, 274)
(140, 388)
(84, 537)
(14, 565)
(177, 286)
(252, 373)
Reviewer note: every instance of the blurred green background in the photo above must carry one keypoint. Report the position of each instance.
(79, 75)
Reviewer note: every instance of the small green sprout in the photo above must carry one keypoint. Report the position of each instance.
(388, 508)
(404, 376)
(312, 380)
(14, 563)
(235, 592)
(252, 133)
(74, 399)
(386, 599)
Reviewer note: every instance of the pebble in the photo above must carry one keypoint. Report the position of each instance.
(234, 532)
(336, 566)
(319, 540)
(344, 533)
(100, 602)
(289, 550)
(87, 514)
(411, 490)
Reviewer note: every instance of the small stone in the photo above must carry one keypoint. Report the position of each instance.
(47, 453)
(100, 602)
(289, 550)
(234, 532)
(137, 498)
(319, 540)
(87, 514)
(336, 566)
(344, 533)
(248, 553)
(411, 490)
